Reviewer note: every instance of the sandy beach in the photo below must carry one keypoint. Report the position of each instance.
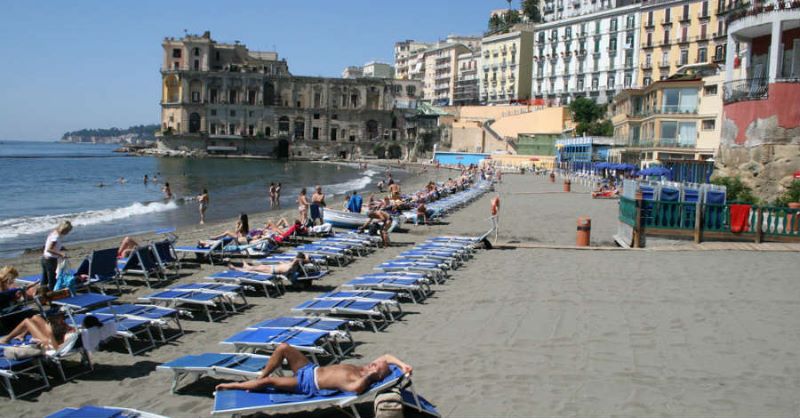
(525, 332)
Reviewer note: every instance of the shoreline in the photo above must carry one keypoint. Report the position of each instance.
(27, 262)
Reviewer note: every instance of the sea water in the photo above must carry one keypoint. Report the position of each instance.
(43, 184)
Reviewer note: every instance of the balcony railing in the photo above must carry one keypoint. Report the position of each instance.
(746, 10)
(657, 143)
(745, 89)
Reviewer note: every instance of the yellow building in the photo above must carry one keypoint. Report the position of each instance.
(507, 65)
(677, 33)
(673, 119)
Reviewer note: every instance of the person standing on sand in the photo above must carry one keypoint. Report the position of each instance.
(53, 253)
(317, 205)
(272, 195)
(167, 191)
(302, 206)
(278, 195)
(202, 202)
(495, 210)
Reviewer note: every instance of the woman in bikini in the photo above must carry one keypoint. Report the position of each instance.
(302, 205)
(239, 233)
(280, 268)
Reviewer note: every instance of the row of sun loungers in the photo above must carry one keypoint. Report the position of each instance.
(451, 203)
(322, 328)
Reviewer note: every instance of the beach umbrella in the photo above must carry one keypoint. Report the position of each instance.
(656, 171)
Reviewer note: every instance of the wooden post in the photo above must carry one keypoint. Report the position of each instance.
(759, 226)
(698, 223)
(638, 229)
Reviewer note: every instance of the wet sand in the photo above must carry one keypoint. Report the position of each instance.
(522, 332)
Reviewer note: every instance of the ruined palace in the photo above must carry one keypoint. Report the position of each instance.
(224, 98)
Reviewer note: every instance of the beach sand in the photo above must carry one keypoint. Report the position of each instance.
(523, 332)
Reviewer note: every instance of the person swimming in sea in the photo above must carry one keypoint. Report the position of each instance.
(167, 191)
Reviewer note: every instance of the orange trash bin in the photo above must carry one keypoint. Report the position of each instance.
(584, 232)
(567, 185)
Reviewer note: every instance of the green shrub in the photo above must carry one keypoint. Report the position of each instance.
(792, 194)
(736, 190)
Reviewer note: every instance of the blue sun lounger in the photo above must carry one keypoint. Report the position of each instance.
(271, 401)
(13, 370)
(157, 315)
(371, 311)
(166, 256)
(225, 365)
(452, 261)
(387, 299)
(143, 262)
(310, 342)
(128, 329)
(415, 289)
(431, 269)
(183, 298)
(228, 291)
(83, 302)
(266, 281)
(89, 411)
(215, 251)
(338, 329)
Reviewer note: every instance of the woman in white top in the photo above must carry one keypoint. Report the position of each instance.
(52, 253)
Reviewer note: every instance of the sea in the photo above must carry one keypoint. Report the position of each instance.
(103, 193)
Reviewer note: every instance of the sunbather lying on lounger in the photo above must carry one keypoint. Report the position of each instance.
(239, 233)
(309, 378)
(50, 333)
(280, 268)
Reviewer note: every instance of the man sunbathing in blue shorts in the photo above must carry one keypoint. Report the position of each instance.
(310, 378)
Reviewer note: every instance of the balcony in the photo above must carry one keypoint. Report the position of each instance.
(665, 42)
(686, 143)
(664, 64)
(666, 22)
(745, 89)
(681, 63)
(646, 45)
(720, 36)
(686, 19)
(647, 66)
(649, 24)
(684, 40)
(704, 15)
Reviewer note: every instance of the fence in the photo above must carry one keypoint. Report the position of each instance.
(679, 219)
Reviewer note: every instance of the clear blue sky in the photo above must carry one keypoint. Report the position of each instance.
(69, 65)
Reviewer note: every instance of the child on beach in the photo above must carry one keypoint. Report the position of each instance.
(167, 191)
(302, 205)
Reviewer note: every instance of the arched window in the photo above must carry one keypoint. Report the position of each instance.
(171, 89)
(283, 125)
(194, 123)
(299, 128)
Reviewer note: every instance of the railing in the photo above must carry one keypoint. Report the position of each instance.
(679, 218)
(745, 89)
(746, 10)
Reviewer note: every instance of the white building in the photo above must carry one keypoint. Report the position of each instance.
(353, 71)
(406, 56)
(554, 10)
(377, 69)
(592, 55)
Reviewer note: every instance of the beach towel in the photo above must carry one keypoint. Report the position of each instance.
(740, 218)
(354, 204)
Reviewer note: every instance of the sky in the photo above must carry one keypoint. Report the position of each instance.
(69, 65)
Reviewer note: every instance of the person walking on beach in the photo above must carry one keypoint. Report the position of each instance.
(495, 210)
(53, 254)
(317, 205)
(167, 191)
(202, 201)
(272, 195)
(302, 206)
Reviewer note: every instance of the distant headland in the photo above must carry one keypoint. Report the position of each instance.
(134, 135)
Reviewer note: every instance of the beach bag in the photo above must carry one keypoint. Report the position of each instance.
(64, 279)
(389, 405)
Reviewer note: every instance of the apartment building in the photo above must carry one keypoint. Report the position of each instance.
(404, 51)
(506, 65)
(590, 55)
(440, 70)
(373, 69)
(674, 119)
(553, 10)
(353, 71)
(679, 32)
(467, 89)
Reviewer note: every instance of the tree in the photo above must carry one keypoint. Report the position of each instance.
(511, 18)
(530, 8)
(792, 194)
(587, 116)
(495, 23)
